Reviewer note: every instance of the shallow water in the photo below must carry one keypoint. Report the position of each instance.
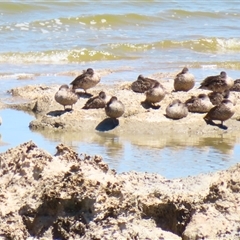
(170, 156)
(42, 43)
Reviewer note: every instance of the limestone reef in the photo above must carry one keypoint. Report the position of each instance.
(76, 196)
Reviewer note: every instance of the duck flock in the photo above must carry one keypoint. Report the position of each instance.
(218, 104)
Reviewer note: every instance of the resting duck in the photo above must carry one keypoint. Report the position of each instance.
(155, 94)
(66, 96)
(184, 81)
(143, 84)
(96, 102)
(199, 104)
(236, 86)
(176, 110)
(222, 112)
(218, 83)
(114, 108)
(216, 98)
(86, 80)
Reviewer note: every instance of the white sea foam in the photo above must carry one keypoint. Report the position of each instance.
(17, 76)
(24, 28)
(44, 31)
(211, 66)
(21, 25)
(231, 44)
(93, 22)
(58, 21)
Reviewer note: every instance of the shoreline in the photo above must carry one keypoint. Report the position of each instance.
(137, 118)
(69, 195)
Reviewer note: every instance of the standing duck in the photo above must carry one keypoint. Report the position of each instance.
(218, 83)
(86, 80)
(96, 102)
(176, 110)
(143, 84)
(200, 104)
(222, 112)
(66, 96)
(114, 108)
(184, 81)
(155, 94)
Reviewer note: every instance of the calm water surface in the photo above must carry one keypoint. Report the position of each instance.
(42, 42)
(169, 156)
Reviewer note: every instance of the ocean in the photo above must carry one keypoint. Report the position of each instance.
(43, 42)
(47, 38)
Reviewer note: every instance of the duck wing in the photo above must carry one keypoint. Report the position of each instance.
(143, 85)
(95, 102)
(80, 78)
(212, 81)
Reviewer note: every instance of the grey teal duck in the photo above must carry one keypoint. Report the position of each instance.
(86, 80)
(114, 108)
(221, 112)
(184, 81)
(66, 96)
(176, 110)
(199, 104)
(142, 84)
(96, 102)
(218, 83)
(236, 86)
(216, 98)
(155, 94)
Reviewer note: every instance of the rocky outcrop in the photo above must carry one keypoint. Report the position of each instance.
(76, 196)
(137, 119)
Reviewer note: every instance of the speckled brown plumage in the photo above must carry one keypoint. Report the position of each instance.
(66, 96)
(176, 110)
(96, 102)
(222, 112)
(142, 84)
(184, 81)
(86, 80)
(216, 98)
(114, 108)
(236, 86)
(155, 94)
(199, 104)
(218, 83)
